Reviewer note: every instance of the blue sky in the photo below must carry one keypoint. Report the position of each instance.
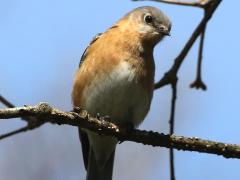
(41, 43)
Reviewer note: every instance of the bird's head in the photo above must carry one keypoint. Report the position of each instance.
(150, 23)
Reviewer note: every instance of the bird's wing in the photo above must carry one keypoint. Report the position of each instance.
(83, 135)
(85, 51)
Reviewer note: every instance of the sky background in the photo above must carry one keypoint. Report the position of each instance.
(41, 43)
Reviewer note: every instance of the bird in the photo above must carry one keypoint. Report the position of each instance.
(115, 78)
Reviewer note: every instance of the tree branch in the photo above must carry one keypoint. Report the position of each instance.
(171, 127)
(170, 75)
(198, 83)
(102, 126)
(32, 122)
(200, 3)
(6, 102)
(17, 131)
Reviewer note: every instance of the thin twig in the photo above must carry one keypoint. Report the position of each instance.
(171, 127)
(17, 131)
(198, 83)
(171, 74)
(173, 105)
(6, 102)
(200, 3)
(32, 122)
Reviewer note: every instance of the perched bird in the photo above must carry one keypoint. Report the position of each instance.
(116, 78)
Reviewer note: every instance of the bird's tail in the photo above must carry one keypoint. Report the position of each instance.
(94, 172)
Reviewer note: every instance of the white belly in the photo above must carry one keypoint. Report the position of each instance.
(118, 95)
(121, 97)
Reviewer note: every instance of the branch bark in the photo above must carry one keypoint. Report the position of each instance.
(46, 113)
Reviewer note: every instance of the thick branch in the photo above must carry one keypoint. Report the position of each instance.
(48, 114)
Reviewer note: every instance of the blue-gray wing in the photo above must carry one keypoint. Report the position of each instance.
(85, 51)
(83, 136)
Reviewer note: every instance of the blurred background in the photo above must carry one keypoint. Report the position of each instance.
(41, 43)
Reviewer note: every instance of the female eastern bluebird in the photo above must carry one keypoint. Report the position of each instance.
(116, 78)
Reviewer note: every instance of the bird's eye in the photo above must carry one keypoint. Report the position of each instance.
(148, 19)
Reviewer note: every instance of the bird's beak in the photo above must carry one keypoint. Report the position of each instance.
(167, 33)
(164, 30)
